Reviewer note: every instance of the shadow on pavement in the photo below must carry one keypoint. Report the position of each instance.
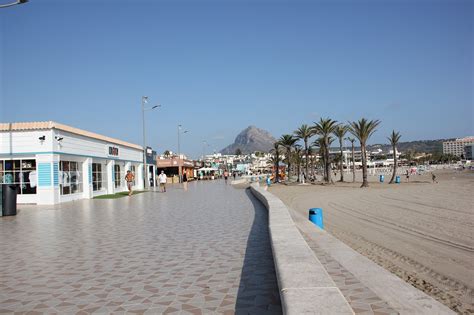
(258, 291)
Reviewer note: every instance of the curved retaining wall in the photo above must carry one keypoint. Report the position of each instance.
(305, 286)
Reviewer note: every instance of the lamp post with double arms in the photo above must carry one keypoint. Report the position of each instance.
(145, 169)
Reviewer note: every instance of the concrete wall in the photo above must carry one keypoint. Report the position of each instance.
(25, 141)
(305, 286)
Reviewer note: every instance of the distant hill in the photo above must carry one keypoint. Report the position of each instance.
(251, 139)
(426, 146)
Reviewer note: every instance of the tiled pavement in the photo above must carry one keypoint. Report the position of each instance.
(362, 300)
(201, 251)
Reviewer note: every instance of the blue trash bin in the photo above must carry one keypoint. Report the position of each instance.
(382, 177)
(316, 216)
(397, 179)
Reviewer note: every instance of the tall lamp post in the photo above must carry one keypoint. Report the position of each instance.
(13, 3)
(179, 152)
(145, 168)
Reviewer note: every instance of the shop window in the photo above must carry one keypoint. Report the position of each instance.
(70, 177)
(98, 176)
(117, 176)
(19, 172)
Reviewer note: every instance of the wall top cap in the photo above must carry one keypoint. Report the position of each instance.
(41, 125)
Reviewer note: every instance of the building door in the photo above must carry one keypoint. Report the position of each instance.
(150, 176)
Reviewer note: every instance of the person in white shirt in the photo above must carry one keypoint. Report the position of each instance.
(162, 180)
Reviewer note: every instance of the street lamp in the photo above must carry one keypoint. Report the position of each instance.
(145, 169)
(13, 3)
(179, 153)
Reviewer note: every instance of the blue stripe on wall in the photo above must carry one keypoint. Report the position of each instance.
(44, 174)
(56, 173)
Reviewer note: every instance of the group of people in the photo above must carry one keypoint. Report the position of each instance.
(410, 172)
(162, 178)
(226, 175)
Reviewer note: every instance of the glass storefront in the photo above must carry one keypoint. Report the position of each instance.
(99, 178)
(117, 176)
(20, 172)
(70, 177)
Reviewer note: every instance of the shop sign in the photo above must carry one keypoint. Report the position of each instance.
(113, 151)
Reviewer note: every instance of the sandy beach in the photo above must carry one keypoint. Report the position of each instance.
(421, 231)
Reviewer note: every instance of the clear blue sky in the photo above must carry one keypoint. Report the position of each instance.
(219, 66)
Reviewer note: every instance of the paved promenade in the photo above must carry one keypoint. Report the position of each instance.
(201, 251)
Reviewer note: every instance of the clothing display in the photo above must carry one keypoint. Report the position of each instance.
(32, 179)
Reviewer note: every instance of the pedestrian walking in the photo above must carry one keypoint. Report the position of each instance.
(407, 176)
(226, 174)
(234, 174)
(185, 181)
(129, 179)
(433, 178)
(162, 179)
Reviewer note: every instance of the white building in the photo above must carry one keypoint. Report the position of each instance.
(456, 147)
(53, 163)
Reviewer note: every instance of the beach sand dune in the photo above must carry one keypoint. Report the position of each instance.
(420, 231)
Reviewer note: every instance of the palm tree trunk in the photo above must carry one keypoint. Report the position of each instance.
(328, 165)
(306, 158)
(323, 160)
(288, 152)
(394, 165)
(341, 167)
(365, 183)
(299, 171)
(353, 165)
(277, 168)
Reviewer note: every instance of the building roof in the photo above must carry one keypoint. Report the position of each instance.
(41, 125)
(465, 139)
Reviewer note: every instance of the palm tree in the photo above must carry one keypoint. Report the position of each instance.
(352, 140)
(288, 141)
(324, 128)
(362, 130)
(394, 139)
(276, 159)
(322, 153)
(319, 143)
(304, 133)
(311, 150)
(340, 132)
(297, 158)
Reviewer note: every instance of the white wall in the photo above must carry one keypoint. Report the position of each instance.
(26, 144)
(76, 144)
(25, 141)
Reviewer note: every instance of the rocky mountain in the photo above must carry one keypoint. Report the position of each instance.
(250, 140)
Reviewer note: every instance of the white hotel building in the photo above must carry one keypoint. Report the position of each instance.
(53, 163)
(457, 147)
